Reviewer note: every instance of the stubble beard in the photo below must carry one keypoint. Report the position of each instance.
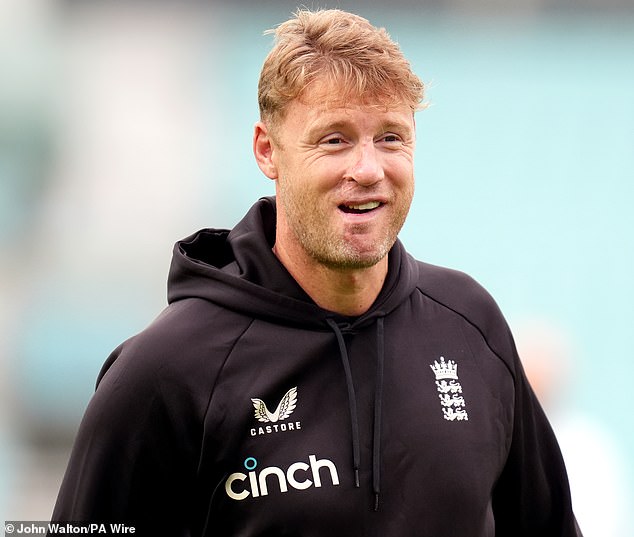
(328, 248)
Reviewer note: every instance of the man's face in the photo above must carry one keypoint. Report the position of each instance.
(344, 179)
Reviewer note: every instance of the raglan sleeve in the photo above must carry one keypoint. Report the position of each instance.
(532, 494)
(133, 461)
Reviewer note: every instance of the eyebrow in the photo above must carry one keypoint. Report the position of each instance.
(397, 126)
(339, 125)
(333, 126)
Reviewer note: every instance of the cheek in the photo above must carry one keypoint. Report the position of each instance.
(402, 173)
(315, 177)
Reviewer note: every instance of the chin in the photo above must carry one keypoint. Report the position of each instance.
(353, 260)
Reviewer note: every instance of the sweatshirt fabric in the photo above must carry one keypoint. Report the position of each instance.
(246, 410)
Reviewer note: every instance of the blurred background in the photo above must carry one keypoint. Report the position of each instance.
(125, 126)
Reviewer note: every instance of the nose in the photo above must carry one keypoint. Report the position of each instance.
(366, 167)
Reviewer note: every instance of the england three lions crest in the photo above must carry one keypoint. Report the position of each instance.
(452, 402)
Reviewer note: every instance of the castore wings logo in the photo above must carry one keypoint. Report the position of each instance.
(283, 410)
(276, 420)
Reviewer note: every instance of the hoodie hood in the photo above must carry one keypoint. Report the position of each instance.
(237, 269)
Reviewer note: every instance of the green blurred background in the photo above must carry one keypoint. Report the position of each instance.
(125, 126)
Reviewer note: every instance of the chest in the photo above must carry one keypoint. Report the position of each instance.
(278, 437)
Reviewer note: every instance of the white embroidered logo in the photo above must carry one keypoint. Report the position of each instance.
(451, 400)
(239, 486)
(283, 410)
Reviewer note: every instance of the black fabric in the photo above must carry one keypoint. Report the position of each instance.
(232, 414)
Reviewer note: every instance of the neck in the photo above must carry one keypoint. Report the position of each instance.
(348, 292)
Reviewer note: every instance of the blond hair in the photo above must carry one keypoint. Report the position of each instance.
(339, 48)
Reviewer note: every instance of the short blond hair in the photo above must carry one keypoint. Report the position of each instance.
(342, 49)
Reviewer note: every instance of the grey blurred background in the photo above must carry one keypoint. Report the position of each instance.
(125, 126)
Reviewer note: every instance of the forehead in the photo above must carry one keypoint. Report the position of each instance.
(322, 105)
(323, 94)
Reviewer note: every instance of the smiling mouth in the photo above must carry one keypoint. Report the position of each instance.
(361, 208)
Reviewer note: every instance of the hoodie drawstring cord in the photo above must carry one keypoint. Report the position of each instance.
(378, 398)
(352, 405)
(352, 400)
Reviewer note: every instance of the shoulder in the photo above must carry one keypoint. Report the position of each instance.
(183, 349)
(191, 326)
(453, 288)
(462, 294)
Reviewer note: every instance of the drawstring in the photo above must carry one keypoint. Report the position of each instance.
(352, 400)
(378, 398)
(352, 405)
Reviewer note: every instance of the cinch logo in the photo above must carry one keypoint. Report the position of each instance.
(298, 476)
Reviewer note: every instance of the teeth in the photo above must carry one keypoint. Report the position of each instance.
(364, 206)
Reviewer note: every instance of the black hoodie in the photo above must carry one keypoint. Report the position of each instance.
(244, 409)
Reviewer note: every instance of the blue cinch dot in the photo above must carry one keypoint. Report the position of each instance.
(250, 463)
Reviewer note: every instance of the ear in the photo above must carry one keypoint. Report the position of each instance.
(263, 150)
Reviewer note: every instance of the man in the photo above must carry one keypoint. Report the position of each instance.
(309, 377)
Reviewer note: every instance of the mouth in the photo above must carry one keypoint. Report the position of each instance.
(361, 208)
